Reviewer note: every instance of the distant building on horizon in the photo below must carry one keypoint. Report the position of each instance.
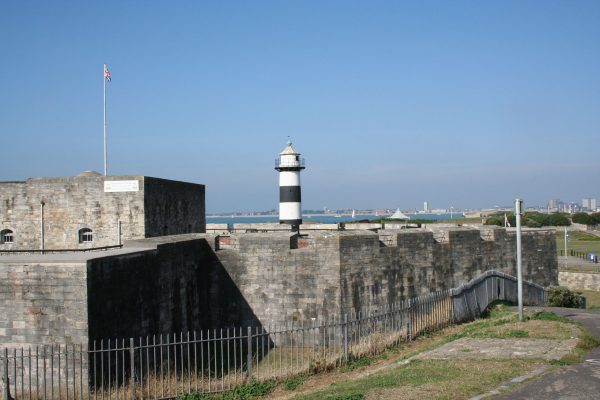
(589, 204)
(425, 206)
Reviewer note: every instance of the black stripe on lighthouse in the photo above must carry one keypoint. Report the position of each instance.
(290, 194)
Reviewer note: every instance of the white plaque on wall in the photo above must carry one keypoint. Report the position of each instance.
(121, 186)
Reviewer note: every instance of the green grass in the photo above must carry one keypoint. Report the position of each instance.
(586, 343)
(360, 362)
(243, 392)
(439, 378)
(295, 381)
(578, 241)
(454, 379)
(443, 379)
(549, 316)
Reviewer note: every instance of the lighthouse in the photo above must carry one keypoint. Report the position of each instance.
(289, 164)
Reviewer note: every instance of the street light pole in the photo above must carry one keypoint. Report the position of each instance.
(566, 239)
(518, 213)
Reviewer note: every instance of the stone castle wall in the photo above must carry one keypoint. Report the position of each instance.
(157, 286)
(192, 282)
(74, 203)
(173, 207)
(43, 303)
(327, 274)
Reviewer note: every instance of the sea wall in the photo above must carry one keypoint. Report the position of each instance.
(179, 286)
(160, 285)
(326, 274)
(193, 281)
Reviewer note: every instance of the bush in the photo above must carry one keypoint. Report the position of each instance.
(583, 218)
(536, 220)
(558, 220)
(532, 223)
(560, 296)
(493, 221)
(596, 218)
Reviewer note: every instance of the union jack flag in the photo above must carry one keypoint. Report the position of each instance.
(106, 73)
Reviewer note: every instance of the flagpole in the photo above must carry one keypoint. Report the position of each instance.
(104, 96)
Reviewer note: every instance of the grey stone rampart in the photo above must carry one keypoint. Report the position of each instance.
(284, 284)
(341, 272)
(173, 207)
(161, 285)
(199, 281)
(260, 227)
(43, 303)
(70, 204)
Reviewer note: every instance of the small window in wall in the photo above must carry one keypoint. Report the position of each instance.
(86, 235)
(7, 236)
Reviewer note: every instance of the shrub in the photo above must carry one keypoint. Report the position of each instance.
(493, 221)
(533, 223)
(560, 296)
(536, 220)
(583, 218)
(558, 220)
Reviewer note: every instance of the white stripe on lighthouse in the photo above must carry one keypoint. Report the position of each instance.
(289, 178)
(289, 211)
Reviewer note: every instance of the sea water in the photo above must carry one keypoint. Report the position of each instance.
(323, 219)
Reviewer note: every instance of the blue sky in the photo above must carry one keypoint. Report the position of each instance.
(462, 103)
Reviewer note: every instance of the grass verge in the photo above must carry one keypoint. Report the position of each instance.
(448, 379)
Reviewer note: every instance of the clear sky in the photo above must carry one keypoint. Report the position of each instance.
(462, 103)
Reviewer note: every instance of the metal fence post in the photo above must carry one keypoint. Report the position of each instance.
(249, 355)
(409, 321)
(5, 375)
(346, 337)
(132, 362)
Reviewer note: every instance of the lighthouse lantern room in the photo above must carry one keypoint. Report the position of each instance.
(289, 164)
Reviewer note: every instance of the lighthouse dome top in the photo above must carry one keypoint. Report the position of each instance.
(289, 150)
(289, 159)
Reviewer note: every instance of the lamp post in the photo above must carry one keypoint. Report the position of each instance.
(566, 240)
(518, 213)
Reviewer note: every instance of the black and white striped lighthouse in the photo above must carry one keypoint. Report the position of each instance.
(289, 164)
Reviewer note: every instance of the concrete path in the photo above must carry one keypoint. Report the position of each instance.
(493, 349)
(581, 381)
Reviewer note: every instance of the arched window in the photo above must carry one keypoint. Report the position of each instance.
(7, 236)
(86, 235)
